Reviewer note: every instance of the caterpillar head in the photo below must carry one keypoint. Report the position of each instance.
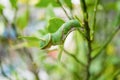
(46, 43)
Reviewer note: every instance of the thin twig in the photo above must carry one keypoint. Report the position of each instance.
(15, 15)
(107, 42)
(84, 36)
(84, 9)
(5, 19)
(74, 57)
(32, 61)
(2, 71)
(69, 70)
(63, 9)
(116, 74)
(60, 53)
(94, 19)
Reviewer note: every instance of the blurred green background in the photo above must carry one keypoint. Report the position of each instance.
(22, 59)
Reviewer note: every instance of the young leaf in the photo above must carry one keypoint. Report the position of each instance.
(54, 24)
(49, 12)
(13, 3)
(1, 8)
(32, 41)
(45, 3)
(22, 20)
(68, 3)
(30, 38)
(42, 31)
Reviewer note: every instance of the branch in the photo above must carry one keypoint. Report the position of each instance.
(74, 57)
(35, 72)
(5, 19)
(116, 74)
(63, 9)
(87, 32)
(84, 8)
(15, 15)
(2, 71)
(107, 42)
(94, 19)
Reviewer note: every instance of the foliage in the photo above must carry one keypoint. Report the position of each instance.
(50, 41)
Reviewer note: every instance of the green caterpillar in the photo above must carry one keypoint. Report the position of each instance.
(60, 35)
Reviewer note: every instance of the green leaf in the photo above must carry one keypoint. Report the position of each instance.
(32, 41)
(30, 38)
(22, 20)
(42, 31)
(49, 12)
(68, 3)
(45, 3)
(118, 5)
(1, 8)
(60, 53)
(54, 24)
(13, 3)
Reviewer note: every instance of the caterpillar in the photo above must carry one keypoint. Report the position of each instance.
(60, 35)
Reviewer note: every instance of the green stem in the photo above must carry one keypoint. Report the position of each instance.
(107, 42)
(75, 74)
(74, 57)
(15, 15)
(85, 20)
(60, 53)
(84, 9)
(94, 19)
(5, 19)
(83, 35)
(116, 74)
(87, 32)
(63, 9)
(32, 61)
(89, 58)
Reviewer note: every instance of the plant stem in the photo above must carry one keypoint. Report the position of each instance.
(63, 9)
(74, 57)
(15, 15)
(89, 58)
(75, 74)
(2, 71)
(87, 29)
(31, 63)
(4, 19)
(94, 19)
(60, 53)
(117, 72)
(107, 42)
